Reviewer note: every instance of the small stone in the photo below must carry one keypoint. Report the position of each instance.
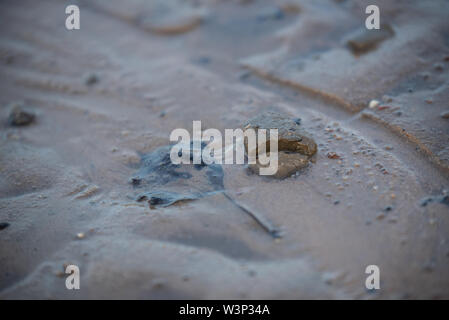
(294, 148)
(290, 136)
(333, 155)
(20, 116)
(373, 104)
(387, 99)
(80, 235)
(135, 181)
(380, 216)
(91, 79)
(424, 202)
(444, 199)
(288, 164)
(388, 147)
(297, 121)
(367, 40)
(158, 283)
(445, 114)
(59, 274)
(438, 67)
(4, 225)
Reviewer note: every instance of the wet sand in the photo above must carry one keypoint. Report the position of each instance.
(103, 96)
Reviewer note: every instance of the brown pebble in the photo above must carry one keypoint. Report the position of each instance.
(295, 149)
(333, 155)
(59, 274)
(80, 235)
(445, 114)
(367, 40)
(290, 135)
(380, 216)
(288, 164)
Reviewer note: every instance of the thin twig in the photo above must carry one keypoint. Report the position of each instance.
(273, 231)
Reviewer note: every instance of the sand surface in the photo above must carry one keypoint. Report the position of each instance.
(158, 65)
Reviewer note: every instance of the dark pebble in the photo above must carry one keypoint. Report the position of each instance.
(136, 181)
(424, 202)
(441, 199)
(445, 200)
(92, 79)
(438, 67)
(297, 121)
(4, 225)
(20, 116)
(156, 200)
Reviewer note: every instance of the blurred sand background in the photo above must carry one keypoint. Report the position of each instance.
(114, 90)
